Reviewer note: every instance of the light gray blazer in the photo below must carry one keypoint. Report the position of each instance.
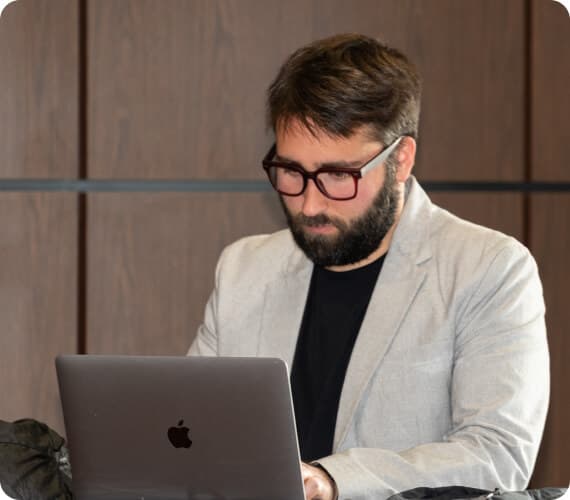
(448, 382)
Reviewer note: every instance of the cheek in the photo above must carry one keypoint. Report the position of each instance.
(363, 200)
(293, 204)
(355, 210)
(367, 191)
(370, 185)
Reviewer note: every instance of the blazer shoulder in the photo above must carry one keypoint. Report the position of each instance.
(428, 231)
(261, 256)
(457, 237)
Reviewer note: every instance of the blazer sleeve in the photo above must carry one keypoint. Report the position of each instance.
(499, 396)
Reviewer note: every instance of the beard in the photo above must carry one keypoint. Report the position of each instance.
(355, 240)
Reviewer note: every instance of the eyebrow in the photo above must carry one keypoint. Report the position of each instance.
(333, 164)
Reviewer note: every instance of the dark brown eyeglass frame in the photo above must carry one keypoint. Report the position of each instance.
(356, 174)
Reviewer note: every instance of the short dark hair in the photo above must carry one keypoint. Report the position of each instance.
(341, 83)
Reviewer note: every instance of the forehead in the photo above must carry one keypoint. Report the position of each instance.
(297, 143)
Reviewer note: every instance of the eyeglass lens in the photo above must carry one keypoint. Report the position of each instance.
(289, 181)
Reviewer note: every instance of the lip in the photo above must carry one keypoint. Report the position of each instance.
(321, 229)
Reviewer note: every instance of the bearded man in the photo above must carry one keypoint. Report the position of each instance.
(416, 339)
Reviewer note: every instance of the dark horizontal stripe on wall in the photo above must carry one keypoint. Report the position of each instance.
(519, 187)
(241, 186)
(88, 186)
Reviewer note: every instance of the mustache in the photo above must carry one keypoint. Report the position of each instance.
(317, 220)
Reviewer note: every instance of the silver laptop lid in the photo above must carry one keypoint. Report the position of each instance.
(180, 428)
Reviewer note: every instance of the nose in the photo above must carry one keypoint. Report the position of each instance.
(314, 202)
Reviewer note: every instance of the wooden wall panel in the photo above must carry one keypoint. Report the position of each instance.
(550, 235)
(550, 64)
(500, 211)
(550, 244)
(151, 263)
(39, 89)
(471, 58)
(38, 297)
(176, 90)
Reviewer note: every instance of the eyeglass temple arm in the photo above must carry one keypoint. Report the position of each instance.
(381, 158)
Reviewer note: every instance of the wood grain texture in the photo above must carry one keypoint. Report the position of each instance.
(177, 88)
(471, 58)
(550, 90)
(39, 89)
(500, 211)
(550, 237)
(151, 263)
(550, 244)
(38, 296)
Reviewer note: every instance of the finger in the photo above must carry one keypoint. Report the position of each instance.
(310, 482)
(312, 489)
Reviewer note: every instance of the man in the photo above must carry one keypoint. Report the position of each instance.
(416, 339)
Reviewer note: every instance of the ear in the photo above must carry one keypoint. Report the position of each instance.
(406, 156)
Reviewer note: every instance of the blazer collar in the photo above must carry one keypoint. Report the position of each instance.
(284, 304)
(401, 277)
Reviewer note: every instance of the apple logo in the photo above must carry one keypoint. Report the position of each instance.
(178, 436)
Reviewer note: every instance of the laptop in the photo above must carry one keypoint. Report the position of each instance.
(153, 427)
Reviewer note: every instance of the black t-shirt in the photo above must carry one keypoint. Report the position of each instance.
(333, 314)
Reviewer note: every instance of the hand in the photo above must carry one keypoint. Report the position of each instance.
(318, 484)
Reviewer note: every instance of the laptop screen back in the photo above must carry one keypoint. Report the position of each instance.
(180, 428)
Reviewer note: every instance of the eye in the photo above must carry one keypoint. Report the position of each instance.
(338, 176)
(289, 172)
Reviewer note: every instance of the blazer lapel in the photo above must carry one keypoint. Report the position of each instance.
(283, 309)
(400, 279)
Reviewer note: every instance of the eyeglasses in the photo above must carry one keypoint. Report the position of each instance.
(336, 183)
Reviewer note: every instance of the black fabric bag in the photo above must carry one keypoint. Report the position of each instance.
(34, 463)
(466, 493)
